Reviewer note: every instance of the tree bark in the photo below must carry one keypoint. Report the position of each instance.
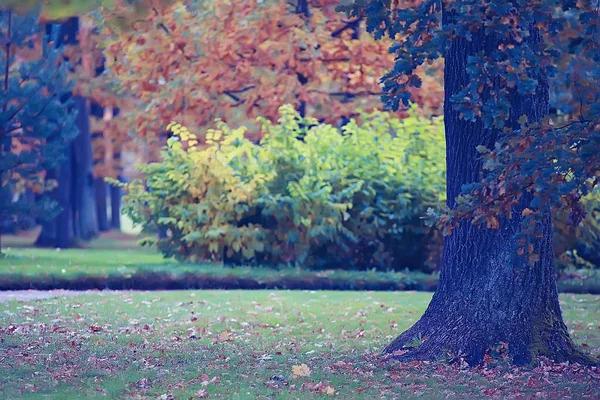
(486, 295)
(83, 164)
(101, 204)
(115, 207)
(74, 201)
(59, 232)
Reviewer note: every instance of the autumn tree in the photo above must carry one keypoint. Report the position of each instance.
(195, 61)
(75, 178)
(236, 61)
(36, 123)
(509, 160)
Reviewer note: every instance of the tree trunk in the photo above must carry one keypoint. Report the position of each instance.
(62, 231)
(59, 232)
(115, 207)
(26, 222)
(101, 204)
(486, 295)
(83, 164)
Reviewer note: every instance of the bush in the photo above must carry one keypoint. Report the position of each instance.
(578, 248)
(317, 197)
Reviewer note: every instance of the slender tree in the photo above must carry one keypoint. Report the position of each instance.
(35, 125)
(75, 191)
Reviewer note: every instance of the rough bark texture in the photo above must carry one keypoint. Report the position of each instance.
(485, 294)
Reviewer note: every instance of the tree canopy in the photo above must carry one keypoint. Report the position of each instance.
(36, 122)
(236, 61)
(555, 159)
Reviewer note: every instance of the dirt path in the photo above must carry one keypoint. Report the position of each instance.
(28, 295)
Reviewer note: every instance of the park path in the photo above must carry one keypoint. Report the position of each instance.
(28, 295)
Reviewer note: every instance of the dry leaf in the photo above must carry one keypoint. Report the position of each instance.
(300, 370)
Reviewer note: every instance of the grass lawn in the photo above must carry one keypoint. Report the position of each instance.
(126, 266)
(134, 269)
(248, 344)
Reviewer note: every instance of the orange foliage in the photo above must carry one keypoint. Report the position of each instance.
(236, 60)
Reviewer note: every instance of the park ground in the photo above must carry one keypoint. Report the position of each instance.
(239, 344)
(256, 344)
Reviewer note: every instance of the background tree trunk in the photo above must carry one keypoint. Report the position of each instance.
(84, 193)
(101, 204)
(75, 193)
(59, 232)
(115, 207)
(486, 295)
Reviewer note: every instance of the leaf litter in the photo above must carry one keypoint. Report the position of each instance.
(257, 344)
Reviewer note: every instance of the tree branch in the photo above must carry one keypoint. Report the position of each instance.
(348, 25)
(349, 94)
(328, 60)
(232, 93)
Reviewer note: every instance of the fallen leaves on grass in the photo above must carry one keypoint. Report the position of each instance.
(266, 354)
(320, 387)
(300, 370)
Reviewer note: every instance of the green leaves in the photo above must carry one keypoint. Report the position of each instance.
(354, 195)
(516, 52)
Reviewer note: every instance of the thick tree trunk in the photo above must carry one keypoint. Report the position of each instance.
(103, 159)
(486, 295)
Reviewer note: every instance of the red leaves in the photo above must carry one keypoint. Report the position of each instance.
(207, 65)
(149, 87)
(320, 387)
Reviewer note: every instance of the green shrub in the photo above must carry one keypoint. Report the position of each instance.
(577, 249)
(350, 198)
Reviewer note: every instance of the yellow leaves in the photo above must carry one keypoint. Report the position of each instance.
(300, 371)
(213, 135)
(213, 247)
(183, 133)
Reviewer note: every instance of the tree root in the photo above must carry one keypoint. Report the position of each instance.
(452, 346)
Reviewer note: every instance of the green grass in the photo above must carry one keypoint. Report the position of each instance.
(102, 265)
(70, 263)
(232, 343)
(48, 266)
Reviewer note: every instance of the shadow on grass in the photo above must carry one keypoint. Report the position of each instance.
(169, 281)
